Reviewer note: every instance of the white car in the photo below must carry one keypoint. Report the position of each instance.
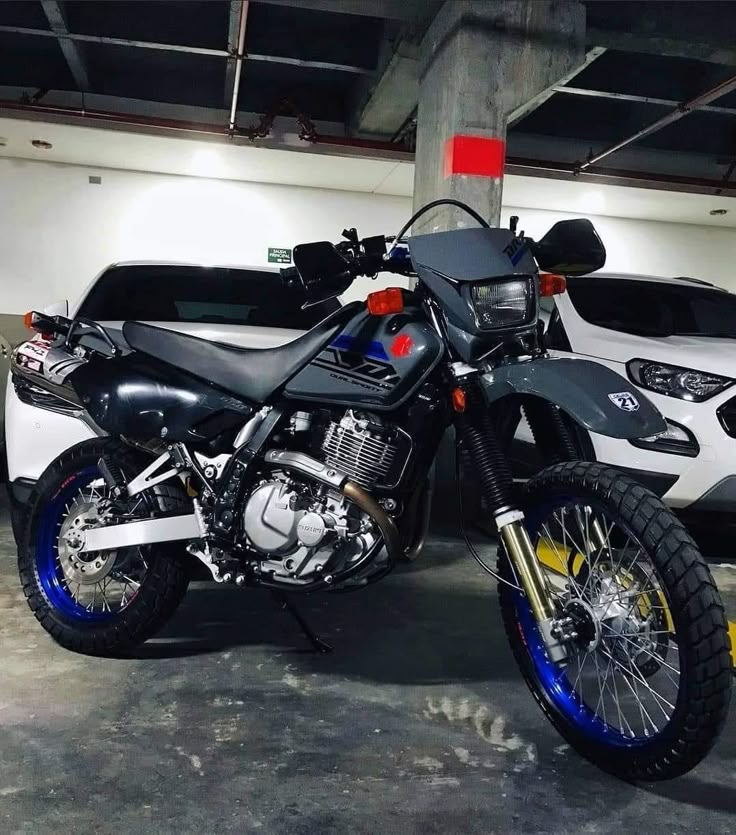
(236, 305)
(675, 340)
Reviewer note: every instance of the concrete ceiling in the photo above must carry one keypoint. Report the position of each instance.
(352, 66)
(305, 165)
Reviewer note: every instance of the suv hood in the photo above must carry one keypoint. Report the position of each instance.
(715, 355)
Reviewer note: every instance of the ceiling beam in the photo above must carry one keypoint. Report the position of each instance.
(71, 37)
(394, 95)
(232, 47)
(607, 94)
(527, 107)
(404, 10)
(299, 62)
(652, 43)
(104, 39)
(72, 53)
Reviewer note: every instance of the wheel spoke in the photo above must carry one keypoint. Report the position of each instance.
(638, 677)
(641, 649)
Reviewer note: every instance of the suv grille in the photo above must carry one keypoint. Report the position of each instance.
(727, 416)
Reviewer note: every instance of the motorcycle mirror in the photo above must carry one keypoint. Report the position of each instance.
(571, 247)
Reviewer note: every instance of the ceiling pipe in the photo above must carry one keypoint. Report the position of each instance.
(242, 26)
(615, 176)
(109, 116)
(678, 113)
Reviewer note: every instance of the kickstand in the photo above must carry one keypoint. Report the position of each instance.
(284, 603)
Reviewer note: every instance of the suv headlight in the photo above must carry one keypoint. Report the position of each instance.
(683, 383)
(503, 303)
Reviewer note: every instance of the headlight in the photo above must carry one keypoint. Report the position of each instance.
(684, 383)
(503, 304)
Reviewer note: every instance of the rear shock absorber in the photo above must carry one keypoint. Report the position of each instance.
(113, 475)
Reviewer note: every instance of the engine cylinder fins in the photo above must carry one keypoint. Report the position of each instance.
(365, 455)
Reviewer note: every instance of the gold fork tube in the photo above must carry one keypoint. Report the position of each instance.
(528, 569)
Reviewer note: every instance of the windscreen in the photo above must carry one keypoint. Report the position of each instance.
(649, 308)
(206, 295)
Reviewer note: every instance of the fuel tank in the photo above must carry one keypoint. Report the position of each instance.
(140, 398)
(376, 362)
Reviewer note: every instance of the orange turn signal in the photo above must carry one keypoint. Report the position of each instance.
(29, 320)
(386, 301)
(458, 400)
(550, 284)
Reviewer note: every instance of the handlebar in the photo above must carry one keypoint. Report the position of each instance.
(366, 257)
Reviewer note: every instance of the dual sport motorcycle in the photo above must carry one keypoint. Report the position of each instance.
(307, 467)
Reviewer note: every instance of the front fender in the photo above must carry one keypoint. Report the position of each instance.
(597, 398)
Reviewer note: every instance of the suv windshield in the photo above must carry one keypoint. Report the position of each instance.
(207, 295)
(654, 308)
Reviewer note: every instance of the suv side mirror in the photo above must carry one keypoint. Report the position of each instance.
(60, 308)
(571, 247)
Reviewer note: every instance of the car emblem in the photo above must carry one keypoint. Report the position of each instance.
(625, 401)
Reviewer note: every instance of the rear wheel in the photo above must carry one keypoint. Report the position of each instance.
(647, 685)
(107, 602)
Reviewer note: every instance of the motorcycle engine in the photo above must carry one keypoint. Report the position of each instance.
(305, 531)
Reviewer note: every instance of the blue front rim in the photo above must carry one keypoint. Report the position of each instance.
(552, 678)
(47, 563)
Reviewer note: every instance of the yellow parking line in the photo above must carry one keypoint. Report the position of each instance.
(732, 634)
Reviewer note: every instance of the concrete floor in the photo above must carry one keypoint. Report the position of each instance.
(418, 723)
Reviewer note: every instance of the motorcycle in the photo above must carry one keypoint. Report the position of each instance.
(307, 467)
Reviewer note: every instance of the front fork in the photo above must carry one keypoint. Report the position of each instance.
(481, 452)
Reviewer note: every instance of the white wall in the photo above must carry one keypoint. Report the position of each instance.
(57, 231)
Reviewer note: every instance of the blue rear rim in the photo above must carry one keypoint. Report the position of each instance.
(51, 576)
(554, 680)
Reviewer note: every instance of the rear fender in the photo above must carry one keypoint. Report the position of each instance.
(597, 398)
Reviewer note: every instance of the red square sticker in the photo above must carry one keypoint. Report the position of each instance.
(476, 156)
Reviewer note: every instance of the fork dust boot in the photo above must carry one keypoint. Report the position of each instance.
(481, 451)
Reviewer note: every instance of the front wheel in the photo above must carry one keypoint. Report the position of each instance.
(646, 687)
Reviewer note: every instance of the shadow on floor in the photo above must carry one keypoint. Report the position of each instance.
(693, 791)
(401, 631)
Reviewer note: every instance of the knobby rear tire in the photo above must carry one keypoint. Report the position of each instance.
(162, 588)
(697, 613)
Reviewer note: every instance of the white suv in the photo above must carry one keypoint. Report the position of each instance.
(675, 339)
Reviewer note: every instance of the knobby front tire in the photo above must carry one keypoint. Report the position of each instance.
(667, 691)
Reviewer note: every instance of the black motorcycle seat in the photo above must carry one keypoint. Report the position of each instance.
(251, 373)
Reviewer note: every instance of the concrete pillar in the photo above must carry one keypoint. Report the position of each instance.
(481, 61)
